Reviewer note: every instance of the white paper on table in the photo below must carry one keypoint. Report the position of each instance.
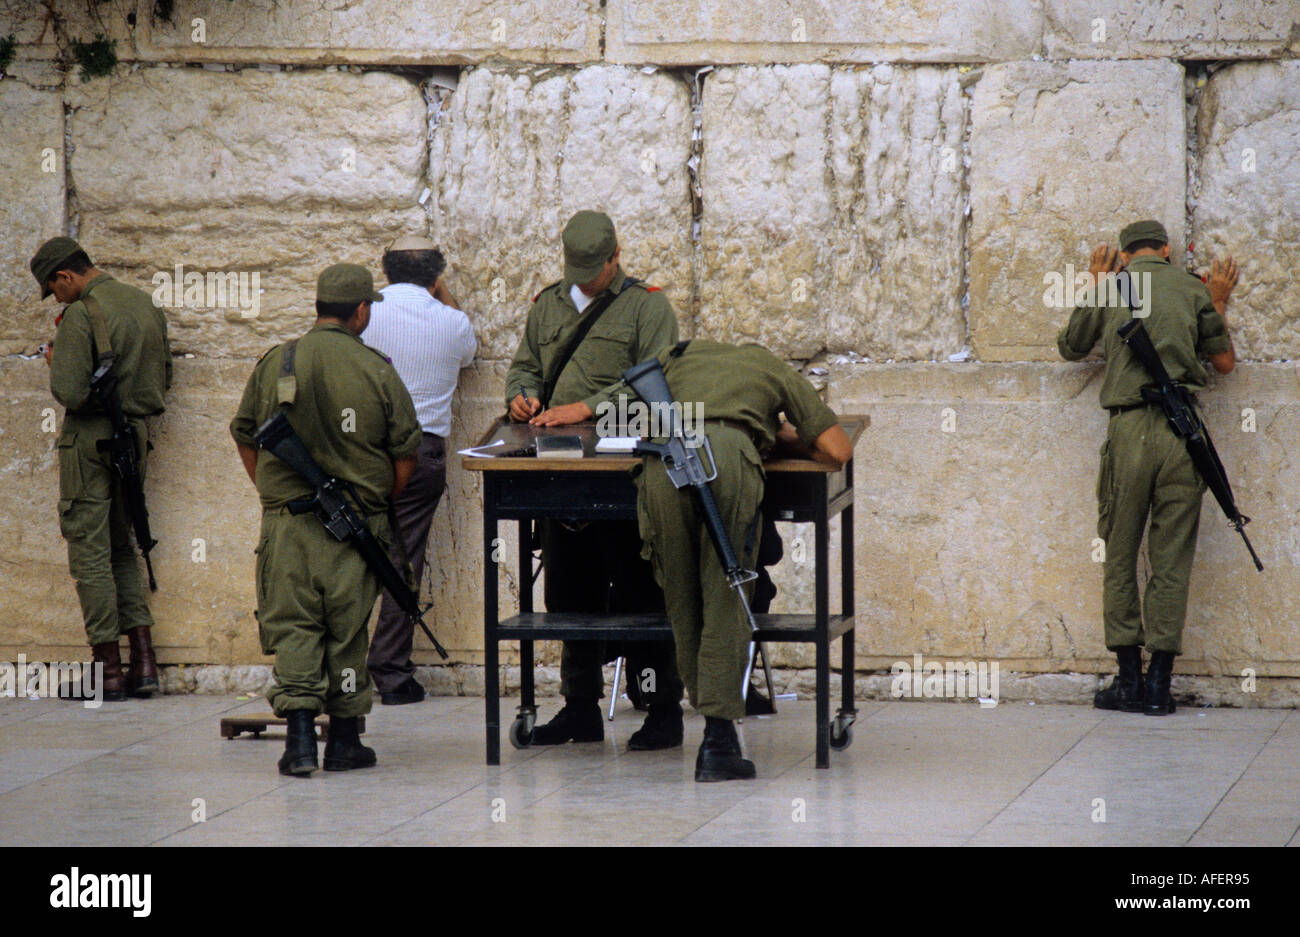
(481, 450)
(617, 443)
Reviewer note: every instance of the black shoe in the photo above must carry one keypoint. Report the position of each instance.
(343, 748)
(661, 729)
(1157, 701)
(299, 758)
(409, 692)
(578, 721)
(1125, 692)
(720, 758)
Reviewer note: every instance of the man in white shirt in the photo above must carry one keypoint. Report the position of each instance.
(421, 330)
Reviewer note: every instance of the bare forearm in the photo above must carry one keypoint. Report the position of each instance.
(402, 470)
(248, 456)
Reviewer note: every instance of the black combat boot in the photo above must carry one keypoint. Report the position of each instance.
(1158, 702)
(1125, 691)
(578, 721)
(720, 758)
(299, 758)
(343, 748)
(662, 729)
(142, 672)
(109, 684)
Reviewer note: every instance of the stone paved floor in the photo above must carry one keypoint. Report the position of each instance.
(916, 774)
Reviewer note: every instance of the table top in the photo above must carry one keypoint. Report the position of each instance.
(518, 435)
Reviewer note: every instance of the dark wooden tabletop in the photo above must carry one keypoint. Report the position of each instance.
(517, 435)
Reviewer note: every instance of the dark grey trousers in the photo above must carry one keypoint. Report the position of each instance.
(389, 661)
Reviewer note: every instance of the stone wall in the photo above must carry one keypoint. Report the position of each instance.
(878, 192)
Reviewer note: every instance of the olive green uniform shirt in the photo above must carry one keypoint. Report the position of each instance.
(639, 322)
(137, 330)
(351, 411)
(746, 384)
(1183, 325)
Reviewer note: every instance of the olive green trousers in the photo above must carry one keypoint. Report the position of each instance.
(1147, 474)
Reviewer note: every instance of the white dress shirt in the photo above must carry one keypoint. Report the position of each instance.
(428, 343)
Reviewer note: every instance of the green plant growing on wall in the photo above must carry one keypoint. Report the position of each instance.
(97, 58)
(7, 45)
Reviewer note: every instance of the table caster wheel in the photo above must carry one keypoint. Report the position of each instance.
(521, 732)
(841, 732)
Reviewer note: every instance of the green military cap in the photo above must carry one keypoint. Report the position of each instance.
(48, 257)
(1142, 231)
(346, 283)
(588, 243)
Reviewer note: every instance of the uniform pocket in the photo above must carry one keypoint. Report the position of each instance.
(71, 485)
(263, 591)
(65, 517)
(1105, 492)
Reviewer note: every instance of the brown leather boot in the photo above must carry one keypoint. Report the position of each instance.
(110, 686)
(142, 672)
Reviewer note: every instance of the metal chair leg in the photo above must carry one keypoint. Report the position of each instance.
(613, 693)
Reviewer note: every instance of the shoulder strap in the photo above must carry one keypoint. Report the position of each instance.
(561, 361)
(286, 385)
(98, 329)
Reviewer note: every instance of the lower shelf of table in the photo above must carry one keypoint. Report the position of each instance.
(571, 626)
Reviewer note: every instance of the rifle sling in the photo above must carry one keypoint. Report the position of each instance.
(98, 329)
(561, 360)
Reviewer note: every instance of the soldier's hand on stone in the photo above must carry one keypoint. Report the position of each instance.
(563, 416)
(523, 408)
(1104, 260)
(48, 350)
(1223, 277)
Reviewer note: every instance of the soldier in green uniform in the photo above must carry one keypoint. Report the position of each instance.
(92, 515)
(742, 390)
(315, 593)
(595, 567)
(1145, 468)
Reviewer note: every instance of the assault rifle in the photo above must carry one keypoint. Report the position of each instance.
(120, 449)
(277, 436)
(1180, 411)
(681, 458)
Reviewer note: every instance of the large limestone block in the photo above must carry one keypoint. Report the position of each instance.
(1181, 29)
(978, 543)
(1249, 199)
(663, 31)
(833, 210)
(31, 178)
(268, 173)
(45, 30)
(516, 153)
(1062, 156)
(390, 31)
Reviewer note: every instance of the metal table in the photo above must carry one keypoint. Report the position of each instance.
(598, 487)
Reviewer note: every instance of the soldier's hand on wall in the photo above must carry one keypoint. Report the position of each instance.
(1104, 260)
(563, 416)
(523, 408)
(1223, 277)
(47, 350)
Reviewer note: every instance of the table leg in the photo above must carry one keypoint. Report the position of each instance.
(848, 669)
(527, 690)
(822, 598)
(491, 672)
